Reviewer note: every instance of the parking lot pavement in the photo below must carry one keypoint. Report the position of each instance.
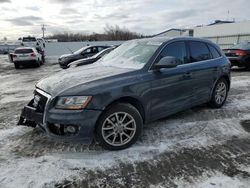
(200, 147)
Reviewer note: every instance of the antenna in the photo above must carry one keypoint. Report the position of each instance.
(43, 29)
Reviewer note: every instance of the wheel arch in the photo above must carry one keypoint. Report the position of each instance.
(132, 101)
(226, 77)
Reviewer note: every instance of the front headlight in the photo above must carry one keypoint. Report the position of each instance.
(72, 102)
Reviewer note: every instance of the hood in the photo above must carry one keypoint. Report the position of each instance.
(66, 55)
(69, 78)
(84, 61)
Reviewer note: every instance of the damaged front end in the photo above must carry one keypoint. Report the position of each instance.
(34, 113)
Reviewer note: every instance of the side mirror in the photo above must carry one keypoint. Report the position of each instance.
(167, 62)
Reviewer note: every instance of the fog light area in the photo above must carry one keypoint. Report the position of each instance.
(63, 130)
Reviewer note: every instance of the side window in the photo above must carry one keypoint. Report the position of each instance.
(177, 50)
(87, 51)
(214, 51)
(94, 50)
(100, 48)
(199, 51)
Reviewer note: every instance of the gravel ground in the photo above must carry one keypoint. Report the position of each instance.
(200, 147)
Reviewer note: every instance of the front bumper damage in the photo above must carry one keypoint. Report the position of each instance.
(29, 117)
(65, 125)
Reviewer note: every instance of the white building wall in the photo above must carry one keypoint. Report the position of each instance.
(225, 35)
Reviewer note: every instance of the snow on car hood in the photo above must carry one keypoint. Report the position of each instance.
(66, 55)
(69, 78)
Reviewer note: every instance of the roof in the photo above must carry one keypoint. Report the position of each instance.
(164, 39)
(173, 29)
(221, 22)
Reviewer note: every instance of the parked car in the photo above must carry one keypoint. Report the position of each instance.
(239, 54)
(92, 59)
(41, 42)
(34, 42)
(137, 83)
(26, 56)
(84, 52)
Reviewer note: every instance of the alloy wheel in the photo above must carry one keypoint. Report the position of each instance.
(220, 93)
(118, 129)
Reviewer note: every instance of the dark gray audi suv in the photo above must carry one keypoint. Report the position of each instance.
(137, 83)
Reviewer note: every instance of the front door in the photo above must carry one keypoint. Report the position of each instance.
(171, 88)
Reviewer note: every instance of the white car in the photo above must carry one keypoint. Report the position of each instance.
(26, 56)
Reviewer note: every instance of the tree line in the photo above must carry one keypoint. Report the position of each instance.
(111, 33)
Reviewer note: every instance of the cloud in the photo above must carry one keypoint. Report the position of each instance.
(34, 8)
(69, 11)
(5, 1)
(64, 1)
(24, 20)
(143, 16)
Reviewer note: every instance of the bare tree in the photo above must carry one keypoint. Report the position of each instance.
(110, 33)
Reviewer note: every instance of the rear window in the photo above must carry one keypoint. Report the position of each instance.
(23, 51)
(214, 51)
(199, 51)
(242, 46)
(29, 39)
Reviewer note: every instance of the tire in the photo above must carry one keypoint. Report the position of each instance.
(16, 66)
(114, 135)
(38, 63)
(219, 94)
(43, 59)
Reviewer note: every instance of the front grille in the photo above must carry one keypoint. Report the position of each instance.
(40, 106)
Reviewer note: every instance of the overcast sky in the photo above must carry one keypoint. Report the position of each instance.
(24, 17)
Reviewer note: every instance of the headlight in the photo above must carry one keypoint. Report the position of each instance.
(72, 102)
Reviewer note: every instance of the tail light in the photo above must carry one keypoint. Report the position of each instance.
(33, 55)
(240, 52)
(14, 56)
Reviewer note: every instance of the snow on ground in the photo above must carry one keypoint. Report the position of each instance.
(217, 180)
(182, 148)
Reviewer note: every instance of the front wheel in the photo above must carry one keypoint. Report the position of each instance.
(219, 94)
(119, 127)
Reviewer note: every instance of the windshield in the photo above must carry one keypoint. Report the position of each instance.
(243, 46)
(103, 52)
(132, 54)
(80, 50)
(29, 39)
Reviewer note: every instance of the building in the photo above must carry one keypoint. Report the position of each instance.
(174, 33)
(225, 33)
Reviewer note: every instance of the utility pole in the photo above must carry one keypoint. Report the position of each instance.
(43, 29)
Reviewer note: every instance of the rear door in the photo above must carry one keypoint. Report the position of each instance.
(204, 71)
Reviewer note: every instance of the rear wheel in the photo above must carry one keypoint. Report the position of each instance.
(43, 59)
(38, 63)
(220, 93)
(119, 127)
